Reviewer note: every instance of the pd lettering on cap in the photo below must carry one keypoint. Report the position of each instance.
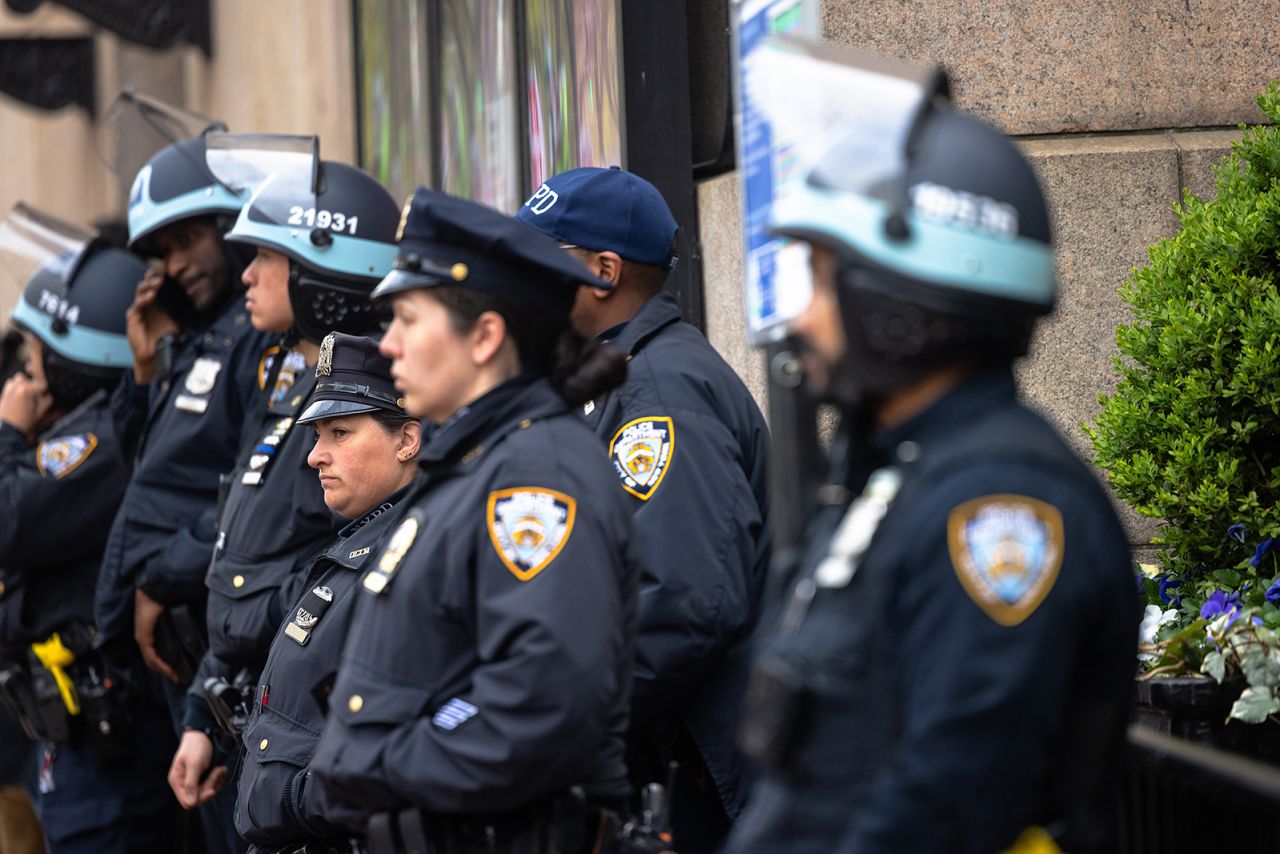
(542, 200)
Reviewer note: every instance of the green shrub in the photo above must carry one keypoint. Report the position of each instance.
(1191, 435)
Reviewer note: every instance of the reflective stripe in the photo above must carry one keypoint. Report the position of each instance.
(353, 256)
(80, 344)
(147, 216)
(1019, 268)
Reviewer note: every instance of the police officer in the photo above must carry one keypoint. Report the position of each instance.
(198, 366)
(953, 665)
(688, 445)
(482, 699)
(62, 474)
(302, 283)
(366, 453)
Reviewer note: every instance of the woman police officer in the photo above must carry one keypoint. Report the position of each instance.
(366, 449)
(484, 687)
(303, 282)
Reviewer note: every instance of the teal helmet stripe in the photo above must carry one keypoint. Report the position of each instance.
(1015, 268)
(147, 216)
(80, 344)
(346, 255)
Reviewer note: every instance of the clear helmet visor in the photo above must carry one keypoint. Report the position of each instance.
(34, 242)
(138, 126)
(278, 173)
(838, 119)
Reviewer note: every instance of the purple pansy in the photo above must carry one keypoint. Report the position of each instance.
(1167, 584)
(1273, 592)
(1220, 602)
(1261, 551)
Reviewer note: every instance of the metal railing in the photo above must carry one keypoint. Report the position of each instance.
(1178, 797)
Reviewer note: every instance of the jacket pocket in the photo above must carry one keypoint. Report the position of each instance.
(244, 604)
(361, 698)
(277, 749)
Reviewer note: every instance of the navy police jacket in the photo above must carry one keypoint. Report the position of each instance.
(960, 641)
(688, 446)
(183, 431)
(489, 663)
(57, 499)
(292, 696)
(273, 524)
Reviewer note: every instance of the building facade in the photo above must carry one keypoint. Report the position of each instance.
(1120, 105)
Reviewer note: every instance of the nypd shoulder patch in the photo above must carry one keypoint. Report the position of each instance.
(1006, 551)
(529, 526)
(642, 451)
(63, 455)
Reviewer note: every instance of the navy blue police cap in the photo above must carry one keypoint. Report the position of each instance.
(445, 240)
(352, 378)
(605, 210)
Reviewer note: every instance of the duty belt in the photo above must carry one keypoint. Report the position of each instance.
(567, 825)
(65, 688)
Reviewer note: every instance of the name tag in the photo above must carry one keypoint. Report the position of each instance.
(190, 403)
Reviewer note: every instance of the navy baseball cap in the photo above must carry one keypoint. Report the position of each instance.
(605, 210)
(445, 240)
(352, 377)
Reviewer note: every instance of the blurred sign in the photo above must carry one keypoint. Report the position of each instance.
(763, 153)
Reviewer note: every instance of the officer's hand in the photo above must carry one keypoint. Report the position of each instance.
(187, 776)
(24, 404)
(146, 324)
(146, 613)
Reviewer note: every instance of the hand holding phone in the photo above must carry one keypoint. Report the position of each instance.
(147, 322)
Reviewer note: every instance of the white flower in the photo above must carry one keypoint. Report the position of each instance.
(1152, 619)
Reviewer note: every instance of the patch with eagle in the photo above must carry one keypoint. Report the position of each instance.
(529, 526)
(641, 452)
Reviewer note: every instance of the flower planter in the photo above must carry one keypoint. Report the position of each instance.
(1196, 708)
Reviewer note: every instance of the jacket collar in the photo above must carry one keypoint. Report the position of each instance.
(975, 396)
(479, 424)
(655, 315)
(355, 542)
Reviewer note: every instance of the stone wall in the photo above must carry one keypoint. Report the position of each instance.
(1118, 105)
(291, 72)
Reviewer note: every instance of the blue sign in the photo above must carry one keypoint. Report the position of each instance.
(757, 155)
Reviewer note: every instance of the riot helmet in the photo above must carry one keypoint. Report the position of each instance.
(938, 224)
(335, 224)
(157, 151)
(76, 292)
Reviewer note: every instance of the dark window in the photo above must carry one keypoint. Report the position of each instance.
(485, 100)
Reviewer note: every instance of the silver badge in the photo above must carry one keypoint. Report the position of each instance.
(305, 619)
(203, 375)
(324, 366)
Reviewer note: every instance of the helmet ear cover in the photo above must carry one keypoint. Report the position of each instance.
(899, 330)
(324, 304)
(71, 382)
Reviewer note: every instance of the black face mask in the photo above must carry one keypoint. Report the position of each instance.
(892, 342)
(71, 384)
(320, 307)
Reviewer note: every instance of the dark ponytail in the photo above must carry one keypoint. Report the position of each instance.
(580, 369)
(584, 368)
